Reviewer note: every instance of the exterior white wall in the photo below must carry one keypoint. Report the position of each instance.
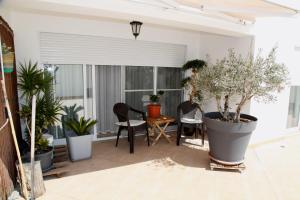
(27, 26)
(283, 33)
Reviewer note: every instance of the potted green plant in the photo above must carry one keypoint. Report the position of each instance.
(249, 77)
(79, 138)
(154, 107)
(34, 81)
(191, 80)
(71, 112)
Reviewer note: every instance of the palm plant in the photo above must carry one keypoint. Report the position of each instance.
(71, 113)
(34, 81)
(81, 126)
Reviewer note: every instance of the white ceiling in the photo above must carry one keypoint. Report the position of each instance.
(226, 17)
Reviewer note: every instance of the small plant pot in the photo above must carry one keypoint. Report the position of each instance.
(154, 110)
(80, 147)
(228, 141)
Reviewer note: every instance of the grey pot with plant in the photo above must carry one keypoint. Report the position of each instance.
(79, 138)
(243, 78)
(34, 81)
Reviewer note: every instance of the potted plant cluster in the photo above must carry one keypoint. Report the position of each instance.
(154, 107)
(34, 81)
(244, 78)
(79, 138)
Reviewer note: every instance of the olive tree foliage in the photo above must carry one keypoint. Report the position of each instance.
(258, 77)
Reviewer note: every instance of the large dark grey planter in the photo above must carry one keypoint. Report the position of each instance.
(228, 141)
(80, 147)
(44, 158)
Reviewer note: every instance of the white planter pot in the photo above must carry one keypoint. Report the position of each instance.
(80, 147)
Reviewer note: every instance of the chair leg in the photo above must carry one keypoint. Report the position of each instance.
(119, 133)
(203, 134)
(147, 132)
(179, 130)
(131, 140)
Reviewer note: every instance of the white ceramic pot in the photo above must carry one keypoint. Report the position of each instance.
(80, 147)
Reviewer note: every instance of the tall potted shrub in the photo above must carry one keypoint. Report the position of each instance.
(193, 67)
(34, 81)
(246, 78)
(79, 138)
(154, 107)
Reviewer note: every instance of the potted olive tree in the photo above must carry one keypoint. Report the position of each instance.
(154, 107)
(244, 78)
(79, 138)
(34, 81)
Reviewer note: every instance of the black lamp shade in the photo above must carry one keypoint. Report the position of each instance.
(136, 28)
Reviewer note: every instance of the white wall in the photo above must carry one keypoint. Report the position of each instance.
(27, 27)
(283, 32)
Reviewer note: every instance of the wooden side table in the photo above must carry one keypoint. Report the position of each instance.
(160, 124)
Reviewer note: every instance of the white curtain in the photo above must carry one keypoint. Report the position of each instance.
(68, 81)
(108, 92)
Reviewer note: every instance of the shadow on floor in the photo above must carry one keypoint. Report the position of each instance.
(106, 156)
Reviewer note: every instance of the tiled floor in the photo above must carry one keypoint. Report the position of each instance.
(168, 172)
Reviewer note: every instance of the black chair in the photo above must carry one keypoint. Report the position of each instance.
(122, 112)
(186, 112)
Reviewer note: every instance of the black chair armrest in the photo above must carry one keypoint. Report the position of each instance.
(140, 112)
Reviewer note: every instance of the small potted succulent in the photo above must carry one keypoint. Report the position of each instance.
(79, 138)
(154, 106)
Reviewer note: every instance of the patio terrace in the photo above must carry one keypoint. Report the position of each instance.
(165, 171)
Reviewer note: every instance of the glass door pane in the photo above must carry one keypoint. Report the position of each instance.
(294, 107)
(108, 92)
(168, 80)
(68, 86)
(139, 85)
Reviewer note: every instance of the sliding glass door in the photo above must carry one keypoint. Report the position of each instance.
(108, 92)
(96, 88)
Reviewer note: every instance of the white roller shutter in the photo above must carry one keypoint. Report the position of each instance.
(57, 48)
